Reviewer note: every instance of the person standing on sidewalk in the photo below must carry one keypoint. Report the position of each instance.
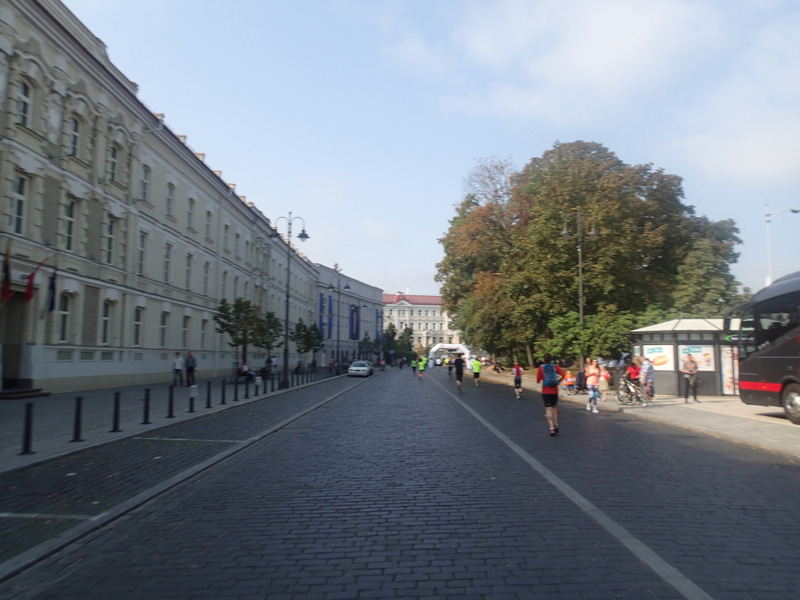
(647, 379)
(517, 371)
(177, 369)
(459, 363)
(476, 372)
(550, 374)
(191, 365)
(592, 373)
(689, 369)
(603, 386)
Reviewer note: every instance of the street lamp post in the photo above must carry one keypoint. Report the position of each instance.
(338, 289)
(565, 234)
(769, 216)
(302, 236)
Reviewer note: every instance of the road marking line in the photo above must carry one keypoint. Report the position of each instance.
(5, 515)
(687, 588)
(163, 439)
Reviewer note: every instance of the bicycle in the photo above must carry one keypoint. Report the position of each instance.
(628, 393)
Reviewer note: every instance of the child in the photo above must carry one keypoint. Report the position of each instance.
(568, 383)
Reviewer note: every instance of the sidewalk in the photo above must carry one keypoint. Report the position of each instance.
(54, 417)
(723, 416)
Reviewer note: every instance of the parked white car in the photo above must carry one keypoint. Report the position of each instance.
(359, 368)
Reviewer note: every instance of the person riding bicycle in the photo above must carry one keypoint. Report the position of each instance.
(634, 370)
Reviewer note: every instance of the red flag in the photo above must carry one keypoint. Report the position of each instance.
(29, 285)
(5, 292)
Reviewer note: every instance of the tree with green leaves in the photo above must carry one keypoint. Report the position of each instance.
(307, 338)
(510, 271)
(244, 324)
(268, 333)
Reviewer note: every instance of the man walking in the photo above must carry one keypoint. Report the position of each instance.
(191, 365)
(177, 369)
(517, 371)
(647, 380)
(689, 369)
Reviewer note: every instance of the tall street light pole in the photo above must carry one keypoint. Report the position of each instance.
(302, 236)
(338, 289)
(769, 216)
(565, 234)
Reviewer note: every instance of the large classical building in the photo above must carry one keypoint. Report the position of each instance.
(118, 241)
(424, 315)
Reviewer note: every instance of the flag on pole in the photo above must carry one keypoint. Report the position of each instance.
(30, 277)
(5, 290)
(51, 295)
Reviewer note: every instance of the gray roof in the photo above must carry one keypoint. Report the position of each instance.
(683, 325)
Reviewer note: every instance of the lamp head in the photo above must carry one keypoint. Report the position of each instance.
(303, 235)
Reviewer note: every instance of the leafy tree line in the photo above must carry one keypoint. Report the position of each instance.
(510, 271)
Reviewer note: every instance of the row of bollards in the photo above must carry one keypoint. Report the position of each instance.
(77, 426)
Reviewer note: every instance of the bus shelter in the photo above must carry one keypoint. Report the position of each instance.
(667, 344)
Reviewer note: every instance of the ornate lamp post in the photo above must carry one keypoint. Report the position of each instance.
(769, 238)
(565, 233)
(302, 236)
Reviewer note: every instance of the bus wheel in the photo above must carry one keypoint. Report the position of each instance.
(791, 402)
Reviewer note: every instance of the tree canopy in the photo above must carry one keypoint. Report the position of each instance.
(510, 271)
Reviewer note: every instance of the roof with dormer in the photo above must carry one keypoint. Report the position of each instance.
(412, 299)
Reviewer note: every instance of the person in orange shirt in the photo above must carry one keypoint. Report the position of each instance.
(568, 383)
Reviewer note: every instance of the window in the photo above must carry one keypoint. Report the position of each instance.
(190, 214)
(138, 317)
(105, 324)
(62, 318)
(68, 225)
(235, 288)
(225, 237)
(74, 137)
(188, 280)
(224, 292)
(185, 331)
(144, 182)
(140, 253)
(162, 329)
(203, 331)
(208, 224)
(19, 203)
(113, 160)
(24, 103)
(236, 240)
(108, 250)
(170, 200)
(206, 274)
(167, 260)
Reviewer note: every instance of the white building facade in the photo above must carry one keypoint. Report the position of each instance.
(119, 241)
(422, 314)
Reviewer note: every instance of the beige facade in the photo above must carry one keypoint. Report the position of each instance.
(424, 315)
(141, 238)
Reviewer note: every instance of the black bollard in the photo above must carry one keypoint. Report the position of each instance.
(247, 389)
(191, 400)
(27, 432)
(146, 418)
(223, 392)
(208, 394)
(76, 427)
(236, 390)
(115, 420)
(171, 403)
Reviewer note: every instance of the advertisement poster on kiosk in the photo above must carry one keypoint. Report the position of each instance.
(703, 356)
(661, 356)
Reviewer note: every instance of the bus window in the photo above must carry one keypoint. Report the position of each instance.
(747, 334)
(776, 317)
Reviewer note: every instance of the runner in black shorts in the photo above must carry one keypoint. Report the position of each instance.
(550, 393)
(459, 365)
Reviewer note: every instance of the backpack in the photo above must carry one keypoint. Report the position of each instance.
(550, 375)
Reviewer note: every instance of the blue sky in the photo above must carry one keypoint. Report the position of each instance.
(364, 117)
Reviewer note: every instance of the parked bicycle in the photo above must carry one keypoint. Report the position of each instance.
(628, 393)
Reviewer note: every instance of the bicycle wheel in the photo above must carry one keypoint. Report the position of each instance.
(624, 395)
